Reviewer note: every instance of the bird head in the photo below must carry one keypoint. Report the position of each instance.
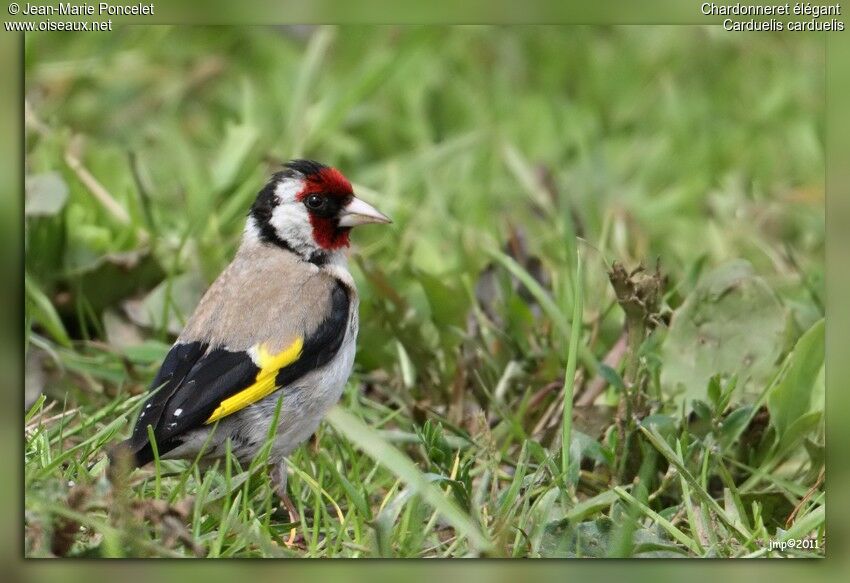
(309, 208)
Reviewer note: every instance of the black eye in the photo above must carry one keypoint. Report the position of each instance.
(315, 202)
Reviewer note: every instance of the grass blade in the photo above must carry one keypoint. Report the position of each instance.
(385, 454)
(570, 373)
(660, 520)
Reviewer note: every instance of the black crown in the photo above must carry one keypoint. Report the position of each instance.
(305, 167)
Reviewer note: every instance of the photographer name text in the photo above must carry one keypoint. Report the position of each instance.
(99, 9)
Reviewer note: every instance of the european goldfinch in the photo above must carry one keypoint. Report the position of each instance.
(280, 321)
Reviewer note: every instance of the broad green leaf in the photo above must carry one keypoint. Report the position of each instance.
(799, 428)
(734, 424)
(731, 324)
(802, 384)
(592, 539)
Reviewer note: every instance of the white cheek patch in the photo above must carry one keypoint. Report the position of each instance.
(292, 224)
(290, 218)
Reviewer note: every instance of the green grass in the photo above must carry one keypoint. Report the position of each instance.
(517, 164)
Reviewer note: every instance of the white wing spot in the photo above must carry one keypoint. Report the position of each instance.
(177, 412)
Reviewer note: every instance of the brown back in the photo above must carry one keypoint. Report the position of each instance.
(265, 295)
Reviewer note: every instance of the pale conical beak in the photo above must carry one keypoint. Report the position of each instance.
(358, 212)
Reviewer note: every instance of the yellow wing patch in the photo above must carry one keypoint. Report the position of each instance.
(264, 384)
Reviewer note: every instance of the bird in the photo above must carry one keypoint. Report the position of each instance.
(273, 337)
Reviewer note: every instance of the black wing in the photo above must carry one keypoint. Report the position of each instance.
(194, 380)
